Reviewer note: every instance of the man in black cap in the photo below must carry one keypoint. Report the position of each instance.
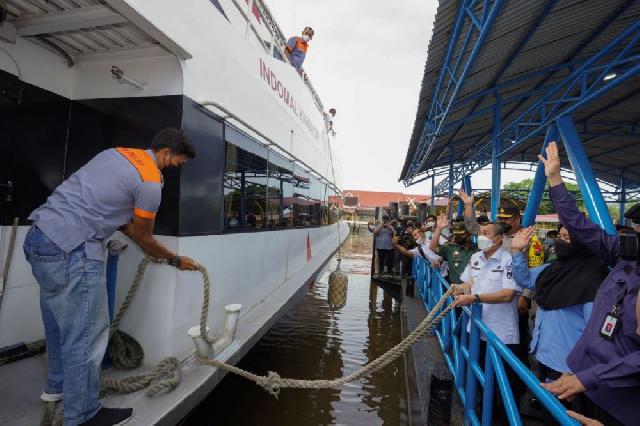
(508, 213)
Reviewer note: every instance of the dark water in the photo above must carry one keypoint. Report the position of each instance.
(311, 341)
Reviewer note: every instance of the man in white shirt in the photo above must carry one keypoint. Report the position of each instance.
(488, 279)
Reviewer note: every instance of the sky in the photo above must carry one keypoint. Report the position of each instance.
(366, 60)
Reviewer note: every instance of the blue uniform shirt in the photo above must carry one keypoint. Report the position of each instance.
(99, 198)
(556, 331)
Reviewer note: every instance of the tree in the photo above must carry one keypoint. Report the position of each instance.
(521, 191)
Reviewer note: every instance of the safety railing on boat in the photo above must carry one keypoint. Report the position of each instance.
(461, 352)
(278, 39)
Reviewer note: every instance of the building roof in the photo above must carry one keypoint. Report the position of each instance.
(371, 199)
(549, 218)
(532, 49)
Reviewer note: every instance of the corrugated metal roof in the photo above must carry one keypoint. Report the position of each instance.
(572, 30)
(77, 28)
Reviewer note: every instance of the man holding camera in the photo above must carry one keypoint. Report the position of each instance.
(606, 358)
(383, 235)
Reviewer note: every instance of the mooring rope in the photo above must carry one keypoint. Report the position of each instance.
(272, 382)
(125, 351)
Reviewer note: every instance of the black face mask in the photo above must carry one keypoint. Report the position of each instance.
(629, 246)
(507, 227)
(460, 240)
(565, 250)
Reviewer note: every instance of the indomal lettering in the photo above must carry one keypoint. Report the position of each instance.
(283, 93)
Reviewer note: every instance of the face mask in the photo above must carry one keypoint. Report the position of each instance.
(460, 240)
(565, 250)
(446, 232)
(429, 234)
(420, 241)
(431, 224)
(484, 242)
(507, 227)
(629, 247)
(306, 38)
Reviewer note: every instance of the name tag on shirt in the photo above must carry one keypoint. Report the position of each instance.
(609, 327)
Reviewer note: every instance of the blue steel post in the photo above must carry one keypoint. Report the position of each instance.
(474, 356)
(495, 162)
(488, 389)
(535, 196)
(460, 209)
(433, 194)
(593, 200)
(623, 201)
(451, 157)
(466, 187)
(464, 343)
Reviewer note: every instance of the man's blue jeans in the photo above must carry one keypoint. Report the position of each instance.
(73, 300)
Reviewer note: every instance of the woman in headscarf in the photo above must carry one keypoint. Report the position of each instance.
(564, 292)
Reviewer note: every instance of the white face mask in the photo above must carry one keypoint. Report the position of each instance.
(431, 224)
(429, 234)
(420, 241)
(306, 38)
(446, 232)
(484, 242)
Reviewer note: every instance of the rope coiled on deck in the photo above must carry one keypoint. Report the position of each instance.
(126, 353)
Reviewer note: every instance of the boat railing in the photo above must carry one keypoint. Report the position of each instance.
(278, 40)
(461, 351)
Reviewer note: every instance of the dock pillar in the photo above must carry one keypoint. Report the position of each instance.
(540, 181)
(593, 200)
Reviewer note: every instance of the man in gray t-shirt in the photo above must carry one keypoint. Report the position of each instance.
(117, 189)
(383, 235)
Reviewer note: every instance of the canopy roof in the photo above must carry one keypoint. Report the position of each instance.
(557, 56)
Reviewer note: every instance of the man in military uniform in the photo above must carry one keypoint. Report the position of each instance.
(458, 252)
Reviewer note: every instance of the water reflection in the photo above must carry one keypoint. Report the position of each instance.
(311, 341)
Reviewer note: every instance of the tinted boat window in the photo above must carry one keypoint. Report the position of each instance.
(245, 190)
(300, 198)
(279, 192)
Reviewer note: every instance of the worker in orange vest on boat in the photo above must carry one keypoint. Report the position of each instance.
(296, 48)
(118, 189)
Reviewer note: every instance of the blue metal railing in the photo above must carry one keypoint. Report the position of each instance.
(461, 352)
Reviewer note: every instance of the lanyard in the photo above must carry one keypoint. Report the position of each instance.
(617, 307)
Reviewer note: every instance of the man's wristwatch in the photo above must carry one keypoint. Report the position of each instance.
(175, 261)
(476, 298)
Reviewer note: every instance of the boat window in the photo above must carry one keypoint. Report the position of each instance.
(325, 206)
(279, 192)
(316, 194)
(300, 197)
(245, 190)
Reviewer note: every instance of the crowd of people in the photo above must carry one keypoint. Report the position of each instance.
(573, 319)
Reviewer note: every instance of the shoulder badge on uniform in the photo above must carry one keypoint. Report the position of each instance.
(509, 272)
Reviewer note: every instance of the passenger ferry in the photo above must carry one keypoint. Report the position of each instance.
(81, 76)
